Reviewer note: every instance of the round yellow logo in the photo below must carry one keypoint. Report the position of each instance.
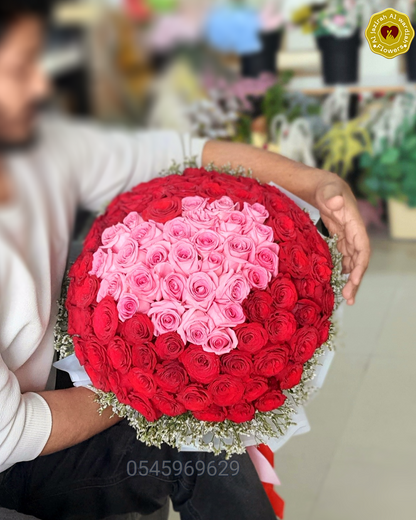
(389, 33)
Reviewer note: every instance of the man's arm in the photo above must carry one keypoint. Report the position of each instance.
(75, 417)
(324, 190)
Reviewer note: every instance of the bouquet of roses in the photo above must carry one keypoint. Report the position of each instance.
(199, 307)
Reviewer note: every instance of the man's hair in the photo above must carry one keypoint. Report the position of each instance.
(13, 10)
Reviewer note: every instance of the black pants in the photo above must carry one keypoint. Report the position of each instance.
(113, 473)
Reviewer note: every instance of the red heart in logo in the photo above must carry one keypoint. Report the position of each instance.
(387, 31)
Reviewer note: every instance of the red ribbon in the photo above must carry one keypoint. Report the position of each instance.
(276, 500)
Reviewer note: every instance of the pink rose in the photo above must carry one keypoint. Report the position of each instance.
(183, 257)
(157, 253)
(232, 287)
(112, 285)
(213, 262)
(223, 204)
(239, 249)
(146, 233)
(256, 212)
(114, 236)
(257, 276)
(193, 203)
(173, 286)
(129, 304)
(200, 290)
(261, 233)
(227, 314)
(221, 341)
(101, 262)
(127, 256)
(195, 327)
(201, 218)
(132, 220)
(166, 316)
(144, 283)
(267, 257)
(206, 241)
(176, 229)
(232, 222)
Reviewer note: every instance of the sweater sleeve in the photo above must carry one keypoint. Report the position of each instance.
(107, 162)
(25, 421)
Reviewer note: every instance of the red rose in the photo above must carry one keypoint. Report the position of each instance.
(321, 269)
(212, 189)
(255, 387)
(194, 397)
(293, 260)
(171, 376)
(144, 357)
(144, 406)
(237, 364)
(301, 219)
(79, 321)
(98, 379)
(105, 319)
(95, 354)
(226, 390)
(118, 386)
(93, 239)
(251, 337)
(79, 349)
(323, 327)
(258, 306)
(274, 202)
(328, 301)
(137, 329)
(307, 312)
(310, 289)
(290, 376)
(213, 413)
(80, 268)
(134, 202)
(163, 210)
(167, 404)
(270, 401)
(142, 383)
(281, 326)
(119, 355)
(272, 360)
(304, 343)
(283, 227)
(318, 244)
(84, 293)
(241, 412)
(283, 292)
(201, 366)
(169, 345)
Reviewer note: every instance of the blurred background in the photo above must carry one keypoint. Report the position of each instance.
(297, 78)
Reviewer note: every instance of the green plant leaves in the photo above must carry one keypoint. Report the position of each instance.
(390, 156)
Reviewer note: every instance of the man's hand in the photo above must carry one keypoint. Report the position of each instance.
(324, 190)
(339, 213)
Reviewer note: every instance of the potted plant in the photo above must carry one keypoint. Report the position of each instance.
(336, 29)
(390, 175)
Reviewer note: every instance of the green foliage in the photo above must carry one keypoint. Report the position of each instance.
(243, 130)
(392, 172)
(342, 144)
(275, 101)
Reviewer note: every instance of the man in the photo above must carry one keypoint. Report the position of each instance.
(60, 459)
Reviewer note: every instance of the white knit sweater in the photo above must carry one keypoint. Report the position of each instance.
(73, 165)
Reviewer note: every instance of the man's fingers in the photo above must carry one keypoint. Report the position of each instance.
(335, 203)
